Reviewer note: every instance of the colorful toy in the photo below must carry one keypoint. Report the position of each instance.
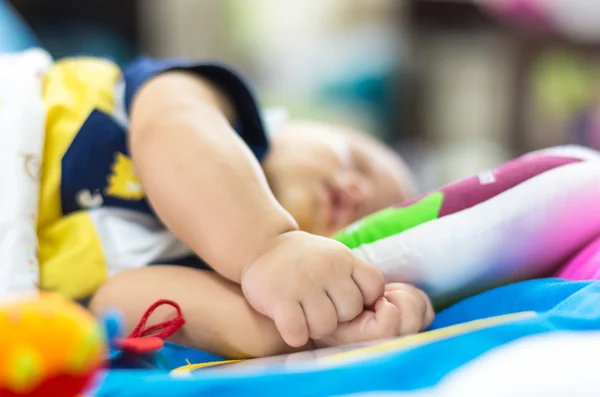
(50, 347)
(519, 221)
(54, 347)
(144, 345)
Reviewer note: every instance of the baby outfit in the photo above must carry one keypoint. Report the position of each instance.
(93, 219)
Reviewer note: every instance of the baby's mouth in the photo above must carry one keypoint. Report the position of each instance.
(339, 213)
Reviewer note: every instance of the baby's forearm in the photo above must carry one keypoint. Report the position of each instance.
(200, 177)
(217, 317)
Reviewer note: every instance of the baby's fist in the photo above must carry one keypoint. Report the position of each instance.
(309, 285)
(403, 310)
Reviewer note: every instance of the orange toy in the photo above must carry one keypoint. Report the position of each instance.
(48, 347)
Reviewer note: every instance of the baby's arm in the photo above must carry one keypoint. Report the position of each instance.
(200, 177)
(220, 320)
(207, 187)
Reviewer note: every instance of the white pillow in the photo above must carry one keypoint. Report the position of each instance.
(521, 229)
(22, 124)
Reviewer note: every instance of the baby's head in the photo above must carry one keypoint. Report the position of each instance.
(328, 177)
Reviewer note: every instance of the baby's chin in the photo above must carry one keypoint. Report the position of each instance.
(316, 227)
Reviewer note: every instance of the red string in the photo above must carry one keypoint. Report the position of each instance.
(162, 330)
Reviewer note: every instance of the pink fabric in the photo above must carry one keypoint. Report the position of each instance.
(469, 192)
(585, 265)
(531, 12)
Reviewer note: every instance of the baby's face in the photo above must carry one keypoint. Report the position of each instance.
(328, 178)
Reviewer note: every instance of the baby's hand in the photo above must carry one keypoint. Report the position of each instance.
(403, 310)
(309, 284)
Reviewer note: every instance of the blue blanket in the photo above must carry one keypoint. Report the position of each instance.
(520, 324)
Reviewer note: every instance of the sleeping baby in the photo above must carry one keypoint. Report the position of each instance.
(159, 181)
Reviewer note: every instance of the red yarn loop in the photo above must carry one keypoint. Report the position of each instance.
(163, 330)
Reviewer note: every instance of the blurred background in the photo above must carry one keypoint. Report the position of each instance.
(456, 86)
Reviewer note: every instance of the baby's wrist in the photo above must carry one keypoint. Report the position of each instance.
(268, 244)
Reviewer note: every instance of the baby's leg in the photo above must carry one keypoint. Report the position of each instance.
(218, 318)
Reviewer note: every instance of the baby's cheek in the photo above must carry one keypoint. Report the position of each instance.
(396, 186)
